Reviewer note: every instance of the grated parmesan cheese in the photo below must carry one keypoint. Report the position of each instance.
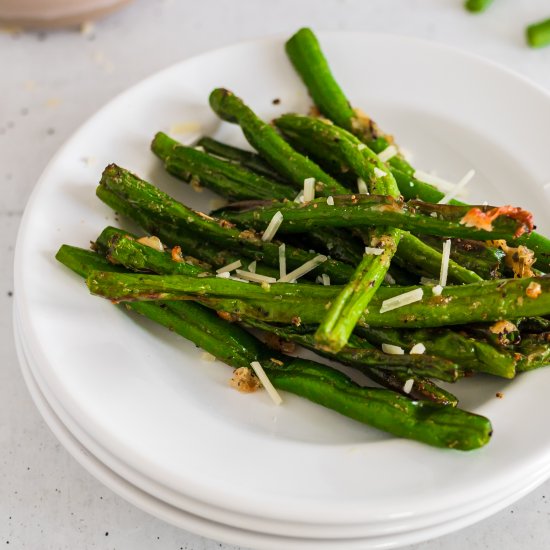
(205, 356)
(309, 189)
(299, 197)
(458, 187)
(273, 226)
(388, 153)
(406, 154)
(361, 146)
(325, 279)
(418, 349)
(389, 279)
(303, 269)
(379, 173)
(408, 385)
(402, 300)
(252, 266)
(445, 262)
(362, 186)
(390, 349)
(254, 277)
(229, 267)
(437, 290)
(373, 250)
(223, 275)
(266, 383)
(238, 279)
(440, 183)
(282, 261)
(330, 200)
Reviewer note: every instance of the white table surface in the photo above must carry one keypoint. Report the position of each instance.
(50, 83)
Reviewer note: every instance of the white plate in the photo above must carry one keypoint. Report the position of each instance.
(393, 531)
(230, 533)
(145, 394)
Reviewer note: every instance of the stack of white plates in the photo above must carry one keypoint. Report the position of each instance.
(144, 412)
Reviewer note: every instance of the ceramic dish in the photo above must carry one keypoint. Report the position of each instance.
(146, 396)
(230, 533)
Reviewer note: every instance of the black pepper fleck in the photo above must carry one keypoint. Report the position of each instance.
(50, 131)
(10, 293)
(276, 101)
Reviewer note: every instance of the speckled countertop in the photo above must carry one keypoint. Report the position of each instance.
(50, 84)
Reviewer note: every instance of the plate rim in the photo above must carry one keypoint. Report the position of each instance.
(43, 178)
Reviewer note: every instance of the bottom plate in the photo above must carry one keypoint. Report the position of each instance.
(220, 531)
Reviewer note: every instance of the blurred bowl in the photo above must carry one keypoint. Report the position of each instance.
(54, 13)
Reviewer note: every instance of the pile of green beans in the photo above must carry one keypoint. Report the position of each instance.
(366, 245)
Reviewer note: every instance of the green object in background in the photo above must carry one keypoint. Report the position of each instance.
(538, 34)
(477, 6)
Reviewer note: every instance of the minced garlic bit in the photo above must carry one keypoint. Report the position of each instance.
(390, 349)
(361, 146)
(229, 267)
(503, 327)
(273, 227)
(402, 300)
(418, 349)
(223, 275)
(534, 290)
(499, 394)
(252, 266)
(266, 383)
(330, 200)
(379, 173)
(408, 385)
(177, 255)
(152, 242)
(325, 279)
(519, 259)
(244, 380)
(506, 332)
(389, 152)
